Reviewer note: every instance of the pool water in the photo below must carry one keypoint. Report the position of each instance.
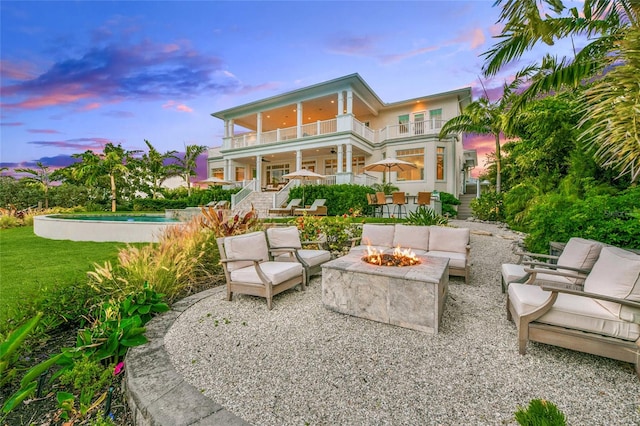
(116, 218)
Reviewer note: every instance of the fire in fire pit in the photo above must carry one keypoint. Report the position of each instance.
(399, 257)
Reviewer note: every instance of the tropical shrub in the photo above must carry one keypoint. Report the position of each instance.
(223, 223)
(489, 206)
(425, 216)
(386, 187)
(540, 413)
(340, 198)
(448, 201)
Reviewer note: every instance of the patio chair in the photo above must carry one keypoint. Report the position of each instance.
(288, 210)
(285, 246)
(381, 199)
(399, 200)
(249, 270)
(316, 209)
(603, 318)
(424, 199)
(569, 269)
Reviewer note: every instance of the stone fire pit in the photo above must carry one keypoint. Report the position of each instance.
(407, 296)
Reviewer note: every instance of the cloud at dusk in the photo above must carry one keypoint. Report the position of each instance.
(77, 145)
(177, 106)
(44, 131)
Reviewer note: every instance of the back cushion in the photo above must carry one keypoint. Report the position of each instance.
(580, 253)
(247, 246)
(616, 274)
(442, 238)
(284, 237)
(416, 237)
(377, 235)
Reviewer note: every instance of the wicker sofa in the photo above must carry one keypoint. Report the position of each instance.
(437, 241)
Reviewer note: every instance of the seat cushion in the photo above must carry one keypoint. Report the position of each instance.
(575, 312)
(315, 257)
(580, 253)
(276, 272)
(456, 260)
(362, 249)
(442, 238)
(415, 237)
(377, 235)
(512, 272)
(284, 237)
(247, 246)
(616, 274)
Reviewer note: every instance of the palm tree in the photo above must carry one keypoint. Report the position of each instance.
(486, 118)
(606, 67)
(38, 177)
(187, 164)
(155, 168)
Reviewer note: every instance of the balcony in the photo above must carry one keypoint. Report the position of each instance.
(329, 127)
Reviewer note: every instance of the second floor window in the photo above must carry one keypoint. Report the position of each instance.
(435, 118)
(403, 122)
(415, 156)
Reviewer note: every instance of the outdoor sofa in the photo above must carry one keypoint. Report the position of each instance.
(437, 241)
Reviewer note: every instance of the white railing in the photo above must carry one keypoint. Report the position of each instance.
(236, 198)
(327, 127)
(364, 179)
(281, 196)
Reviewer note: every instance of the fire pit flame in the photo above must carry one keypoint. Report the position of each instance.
(399, 257)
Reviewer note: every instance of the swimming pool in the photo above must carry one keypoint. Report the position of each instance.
(100, 228)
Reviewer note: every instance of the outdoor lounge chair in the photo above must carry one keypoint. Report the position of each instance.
(288, 210)
(316, 209)
(285, 246)
(249, 270)
(602, 319)
(570, 268)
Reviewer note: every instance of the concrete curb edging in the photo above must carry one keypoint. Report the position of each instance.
(156, 393)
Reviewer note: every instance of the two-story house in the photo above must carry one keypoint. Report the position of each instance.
(337, 127)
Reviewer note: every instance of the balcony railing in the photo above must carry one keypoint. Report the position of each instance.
(327, 127)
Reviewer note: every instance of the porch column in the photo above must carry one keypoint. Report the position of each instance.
(340, 103)
(299, 120)
(226, 172)
(258, 173)
(230, 130)
(349, 101)
(349, 158)
(258, 128)
(226, 128)
(340, 157)
(298, 159)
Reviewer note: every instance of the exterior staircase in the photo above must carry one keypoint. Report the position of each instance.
(464, 209)
(262, 202)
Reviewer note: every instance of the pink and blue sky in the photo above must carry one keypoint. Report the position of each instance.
(77, 74)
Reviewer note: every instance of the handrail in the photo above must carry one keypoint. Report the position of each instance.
(281, 196)
(243, 193)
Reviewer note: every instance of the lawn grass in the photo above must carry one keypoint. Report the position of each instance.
(31, 266)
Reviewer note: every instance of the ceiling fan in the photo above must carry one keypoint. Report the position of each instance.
(333, 150)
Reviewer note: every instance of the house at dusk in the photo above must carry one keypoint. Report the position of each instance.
(336, 128)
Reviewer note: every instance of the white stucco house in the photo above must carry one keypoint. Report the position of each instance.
(337, 127)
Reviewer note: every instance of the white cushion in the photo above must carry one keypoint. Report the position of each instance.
(415, 237)
(616, 274)
(415, 251)
(315, 257)
(442, 238)
(276, 272)
(284, 237)
(362, 249)
(456, 260)
(579, 253)
(247, 246)
(575, 312)
(377, 235)
(512, 272)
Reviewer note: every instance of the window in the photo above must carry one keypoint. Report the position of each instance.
(403, 121)
(330, 166)
(435, 118)
(440, 163)
(415, 156)
(357, 165)
(418, 120)
(239, 174)
(218, 172)
(275, 172)
(309, 165)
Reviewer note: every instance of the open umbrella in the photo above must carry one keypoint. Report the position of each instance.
(390, 165)
(303, 175)
(215, 181)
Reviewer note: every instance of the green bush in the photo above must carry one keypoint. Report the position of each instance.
(448, 201)
(489, 206)
(425, 216)
(340, 198)
(540, 413)
(151, 205)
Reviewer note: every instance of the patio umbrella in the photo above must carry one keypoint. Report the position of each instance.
(215, 181)
(390, 165)
(303, 175)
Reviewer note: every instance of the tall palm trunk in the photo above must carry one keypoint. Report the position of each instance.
(113, 192)
(498, 164)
